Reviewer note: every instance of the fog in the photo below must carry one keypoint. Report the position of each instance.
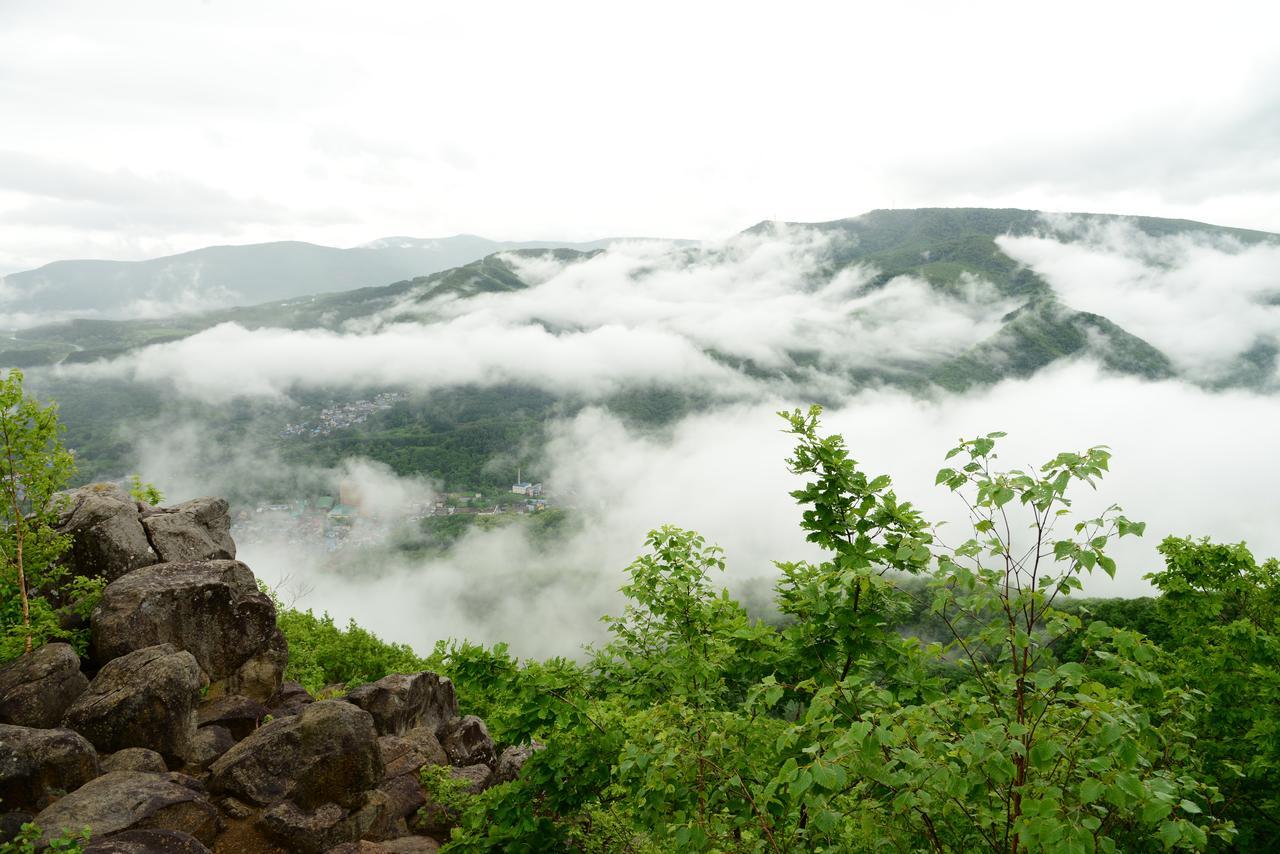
(725, 322)
(1187, 461)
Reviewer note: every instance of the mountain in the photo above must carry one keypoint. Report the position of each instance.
(222, 276)
(1014, 325)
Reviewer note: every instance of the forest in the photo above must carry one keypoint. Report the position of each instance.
(916, 693)
(912, 691)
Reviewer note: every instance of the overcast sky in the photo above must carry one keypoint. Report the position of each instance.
(135, 129)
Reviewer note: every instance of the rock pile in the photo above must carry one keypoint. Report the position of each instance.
(177, 733)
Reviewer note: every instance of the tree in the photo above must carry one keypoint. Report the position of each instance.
(34, 466)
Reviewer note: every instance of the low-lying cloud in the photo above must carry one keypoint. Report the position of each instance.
(703, 319)
(1204, 299)
(1186, 461)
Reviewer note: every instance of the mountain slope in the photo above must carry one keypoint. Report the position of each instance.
(222, 276)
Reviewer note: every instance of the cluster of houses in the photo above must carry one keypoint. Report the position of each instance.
(330, 522)
(342, 416)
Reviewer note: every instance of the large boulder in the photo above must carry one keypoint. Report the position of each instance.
(39, 765)
(147, 842)
(144, 699)
(36, 689)
(328, 753)
(467, 742)
(212, 609)
(402, 701)
(193, 530)
(107, 537)
(134, 800)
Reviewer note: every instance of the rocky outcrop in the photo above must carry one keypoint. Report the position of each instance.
(134, 800)
(400, 702)
(328, 753)
(191, 531)
(144, 699)
(189, 662)
(36, 689)
(211, 609)
(39, 765)
(467, 742)
(107, 537)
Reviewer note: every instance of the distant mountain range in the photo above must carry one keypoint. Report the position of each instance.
(219, 277)
(943, 246)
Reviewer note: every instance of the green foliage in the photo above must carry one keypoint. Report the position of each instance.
(1223, 612)
(29, 836)
(34, 465)
(321, 653)
(696, 729)
(145, 493)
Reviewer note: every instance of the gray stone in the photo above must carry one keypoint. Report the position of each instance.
(306, 831)
(289, 699)
(147, 842)
(144, 699)
(239, 714)
(400, 702)
(107, 537)
(211, 609)
(467, 741)
(207, 745)
(326, 753)
(39, 765)
(512, 760)
(134, 800)
(191, 531)
(134, 759)
(37, 688)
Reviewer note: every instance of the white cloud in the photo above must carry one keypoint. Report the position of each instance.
(639, 312)
(1202, 299)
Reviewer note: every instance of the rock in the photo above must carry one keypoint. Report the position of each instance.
(134, 759)
(147, 842)
(38, 765)
(239, 714)
(400, 756)
(134, 800)
(207, 745)
(193, 530)
(36, 689)
(423, 739)
(107, 537)
(144, 699)
(211, 609)
(235, 808)
(327, 753)
(467, 742)
(401, 702)
(403, 845)
(477, 777)
(289, 699)
(404, 795)
(512, 760)
(306, 831)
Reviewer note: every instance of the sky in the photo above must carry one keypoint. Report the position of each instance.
(138, 129)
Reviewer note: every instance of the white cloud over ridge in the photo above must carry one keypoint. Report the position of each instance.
(1203, 299)
(641, 312)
